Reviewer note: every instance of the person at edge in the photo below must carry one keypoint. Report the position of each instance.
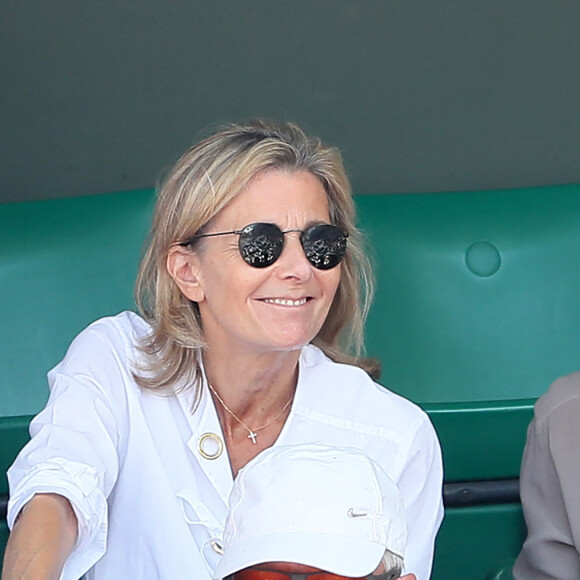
(313, 512)
(252, 296)
(550, 486)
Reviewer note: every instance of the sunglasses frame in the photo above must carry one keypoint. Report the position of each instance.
(263, 249)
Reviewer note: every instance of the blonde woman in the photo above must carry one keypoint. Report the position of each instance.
(252, 297)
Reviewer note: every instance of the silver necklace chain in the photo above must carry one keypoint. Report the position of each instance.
(252, 433)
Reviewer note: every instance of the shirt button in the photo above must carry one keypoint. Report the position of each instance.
(216, 546)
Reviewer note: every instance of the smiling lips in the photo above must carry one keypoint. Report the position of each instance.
(286, 301)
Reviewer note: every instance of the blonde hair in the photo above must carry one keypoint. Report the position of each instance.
(204, 180)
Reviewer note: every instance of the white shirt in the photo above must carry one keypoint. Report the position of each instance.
(149, 505)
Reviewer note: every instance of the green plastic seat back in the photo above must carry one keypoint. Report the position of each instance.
(476, 312)
(63, 263)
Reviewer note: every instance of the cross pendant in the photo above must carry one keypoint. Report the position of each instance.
(253, 435)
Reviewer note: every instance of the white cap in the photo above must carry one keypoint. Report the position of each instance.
(327, 507)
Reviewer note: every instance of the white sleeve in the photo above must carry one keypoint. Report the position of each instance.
(421, 485)
(73, 452)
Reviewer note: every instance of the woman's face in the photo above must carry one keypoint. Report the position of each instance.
(281, 307)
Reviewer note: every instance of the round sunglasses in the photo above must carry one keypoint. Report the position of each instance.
(261, 244)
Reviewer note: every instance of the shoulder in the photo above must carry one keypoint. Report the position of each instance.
(107, 347)
(346, 391)
(563, 394)
(123, 331)
(126, 326)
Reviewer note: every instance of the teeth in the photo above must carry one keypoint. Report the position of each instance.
(286, 301)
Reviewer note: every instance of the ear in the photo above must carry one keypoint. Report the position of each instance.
(184, 267)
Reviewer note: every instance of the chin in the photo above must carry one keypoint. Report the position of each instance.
(292, 345)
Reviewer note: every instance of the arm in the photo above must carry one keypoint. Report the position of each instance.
(73, 453)
(41, 540)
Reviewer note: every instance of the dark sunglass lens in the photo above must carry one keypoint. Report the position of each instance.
(261, 244)
(324, 245)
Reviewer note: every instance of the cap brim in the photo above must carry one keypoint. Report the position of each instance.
(342, 555)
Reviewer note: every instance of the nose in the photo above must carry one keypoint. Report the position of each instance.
(292, 262)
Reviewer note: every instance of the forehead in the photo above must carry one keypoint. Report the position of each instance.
(287, 198)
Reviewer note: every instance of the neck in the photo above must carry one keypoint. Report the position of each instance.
(258, 392)
(254, 389)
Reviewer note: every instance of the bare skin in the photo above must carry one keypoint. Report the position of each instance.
(42, 539)
(262, 407)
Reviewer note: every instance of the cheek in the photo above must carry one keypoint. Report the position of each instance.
(222, 272)
(333, 290)
(235, 285)
(333, 280)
